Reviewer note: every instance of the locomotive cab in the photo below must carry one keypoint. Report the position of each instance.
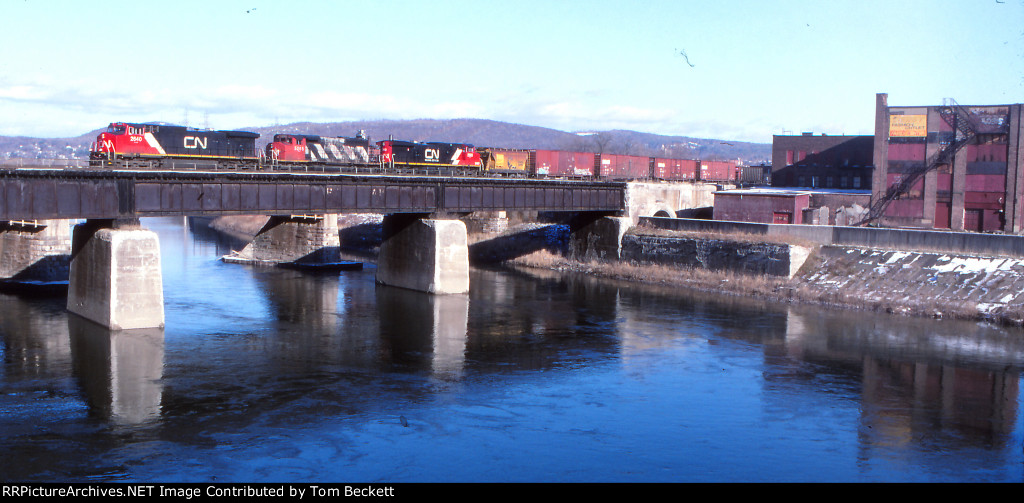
(288, 148)
(125, 140)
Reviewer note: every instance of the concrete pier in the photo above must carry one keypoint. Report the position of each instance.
(115, 277)
(36, 251)
(424, 254)
(295, 239)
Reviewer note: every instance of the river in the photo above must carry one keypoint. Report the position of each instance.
(273, 375)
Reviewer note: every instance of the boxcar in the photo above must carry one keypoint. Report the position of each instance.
(558, 163)
(717, 171)
(674, 169)
(624, 167)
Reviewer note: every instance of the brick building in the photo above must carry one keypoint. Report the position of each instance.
(822, 161)
(949, 167)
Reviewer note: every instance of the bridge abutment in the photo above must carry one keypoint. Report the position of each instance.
(35, 251)
(295, 239)
(424, 254)
(115, 278)
(597, 236)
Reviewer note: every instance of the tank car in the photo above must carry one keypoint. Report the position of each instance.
(157, 145)
(412, 154)
(289, 149)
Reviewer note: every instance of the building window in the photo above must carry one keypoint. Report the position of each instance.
(801, 181)
(856, 182)
(830, 182)
(789, 157)
(844, 182)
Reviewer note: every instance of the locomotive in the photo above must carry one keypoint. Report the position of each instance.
(414, 154)
(303, 149)
(168, 146)
(158, 145)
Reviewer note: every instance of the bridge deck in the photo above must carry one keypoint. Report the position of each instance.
(27, 194)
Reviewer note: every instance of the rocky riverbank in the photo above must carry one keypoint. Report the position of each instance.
(928, 284)
(908, 283)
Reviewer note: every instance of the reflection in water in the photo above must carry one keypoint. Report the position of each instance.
(423, 326)
(922, 379)
(274, 374)
(119, 371)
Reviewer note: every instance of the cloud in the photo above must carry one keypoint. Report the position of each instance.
(70, 108)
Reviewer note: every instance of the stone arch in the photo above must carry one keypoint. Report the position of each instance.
(664, 210)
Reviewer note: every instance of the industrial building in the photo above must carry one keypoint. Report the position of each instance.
(948, 167)
(791, 206)
(822, 161)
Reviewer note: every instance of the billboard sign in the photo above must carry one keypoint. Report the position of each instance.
(908, 126)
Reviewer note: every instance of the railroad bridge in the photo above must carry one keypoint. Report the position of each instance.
(115, 277)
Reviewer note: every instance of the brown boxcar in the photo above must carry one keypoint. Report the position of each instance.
(560, 163)
(505, 161)
(718, 171)
(675, 169)
(624, 167)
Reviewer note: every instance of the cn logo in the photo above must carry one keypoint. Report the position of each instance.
(432, 154)
(195, 142)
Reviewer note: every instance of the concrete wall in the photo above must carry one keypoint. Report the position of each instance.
(594, 237)
(895, 239)
(645, 199)
(715, 254)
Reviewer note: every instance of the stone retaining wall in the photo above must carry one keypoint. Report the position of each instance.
(772, 259)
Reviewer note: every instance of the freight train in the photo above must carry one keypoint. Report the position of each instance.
(165, 146)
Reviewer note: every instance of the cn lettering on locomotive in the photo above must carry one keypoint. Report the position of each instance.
(195, 142)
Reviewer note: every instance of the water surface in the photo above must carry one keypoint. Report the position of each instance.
(268, 375)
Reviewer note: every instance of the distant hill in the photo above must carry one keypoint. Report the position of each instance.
(479, 132)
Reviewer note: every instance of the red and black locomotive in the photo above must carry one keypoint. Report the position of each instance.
(432, 154)
(168, 146)
(305, 149)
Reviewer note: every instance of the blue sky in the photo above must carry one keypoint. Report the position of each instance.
(751, 68)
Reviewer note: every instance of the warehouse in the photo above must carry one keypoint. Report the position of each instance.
(822, 161)
(948, 167)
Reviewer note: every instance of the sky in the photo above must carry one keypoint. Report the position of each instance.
(726, 69)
